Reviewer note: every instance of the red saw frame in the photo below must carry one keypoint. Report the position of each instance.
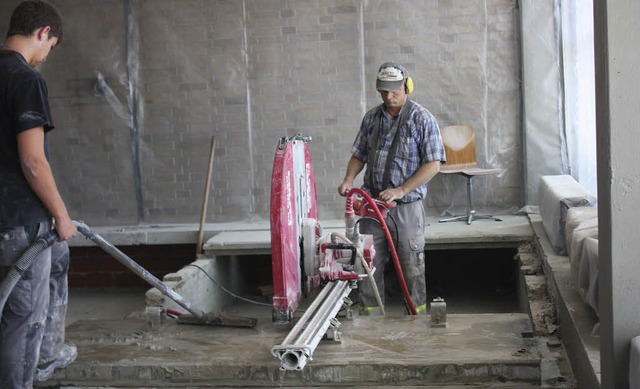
(293, 198)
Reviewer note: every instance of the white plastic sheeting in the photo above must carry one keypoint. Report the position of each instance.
(558, 194)
(558, 92)
(139, 97)
(544, 141)
(250, 72)
(579, 90)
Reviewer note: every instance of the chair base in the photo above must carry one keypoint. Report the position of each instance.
(470, 216)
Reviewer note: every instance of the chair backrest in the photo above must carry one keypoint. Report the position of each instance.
(459, 145)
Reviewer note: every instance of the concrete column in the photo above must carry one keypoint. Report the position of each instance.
(617, 117)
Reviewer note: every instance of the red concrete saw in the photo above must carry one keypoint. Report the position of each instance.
(304, 262)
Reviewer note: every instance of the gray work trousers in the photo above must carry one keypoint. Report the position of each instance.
(33, 319)
(406, 223)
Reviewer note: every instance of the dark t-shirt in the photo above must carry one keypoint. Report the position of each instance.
(23, 105)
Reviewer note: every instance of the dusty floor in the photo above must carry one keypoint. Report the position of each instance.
(87, 304)
(502, 349)
(118, 350)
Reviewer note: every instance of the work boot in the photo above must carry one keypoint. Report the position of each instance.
(68, 353)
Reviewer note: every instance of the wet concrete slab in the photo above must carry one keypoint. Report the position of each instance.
(474, 349)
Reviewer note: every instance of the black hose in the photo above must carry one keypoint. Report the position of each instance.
(345, 246)
(23, 264)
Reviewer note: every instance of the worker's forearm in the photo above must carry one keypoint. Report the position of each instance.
(37, 172)
(354, 167)
(421, 177)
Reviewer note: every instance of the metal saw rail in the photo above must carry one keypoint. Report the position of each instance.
(298, 347)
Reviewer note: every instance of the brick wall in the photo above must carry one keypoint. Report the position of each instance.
(249, 72)
(91, 267)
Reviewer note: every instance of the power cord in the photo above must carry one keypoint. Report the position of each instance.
(371, 218)
(228, 291)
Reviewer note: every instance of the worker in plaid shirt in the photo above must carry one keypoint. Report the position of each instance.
(399, 142)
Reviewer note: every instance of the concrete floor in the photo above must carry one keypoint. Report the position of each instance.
(87, 304)
(401, 350)
(118, 349)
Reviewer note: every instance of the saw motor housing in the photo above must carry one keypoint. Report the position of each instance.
(334, 257)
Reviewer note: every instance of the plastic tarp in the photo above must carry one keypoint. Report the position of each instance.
(139, 87)
(558, 93)
(136, 108)
(557, 195)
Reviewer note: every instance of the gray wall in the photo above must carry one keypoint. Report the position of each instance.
(249, 72)
(617, 96)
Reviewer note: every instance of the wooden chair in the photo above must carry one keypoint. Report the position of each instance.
(460, 147)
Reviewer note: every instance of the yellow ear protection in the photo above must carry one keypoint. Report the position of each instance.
(408, 81)
(408, 85)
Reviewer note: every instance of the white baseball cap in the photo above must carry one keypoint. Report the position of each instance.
(391, 76)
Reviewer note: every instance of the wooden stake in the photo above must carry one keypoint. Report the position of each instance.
(205, 201)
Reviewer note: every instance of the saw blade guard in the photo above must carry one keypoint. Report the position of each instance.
(293, 199)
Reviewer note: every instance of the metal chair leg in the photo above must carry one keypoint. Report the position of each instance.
(471, 215)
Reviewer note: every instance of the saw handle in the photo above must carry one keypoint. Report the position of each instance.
(345, 246)
(363, 207)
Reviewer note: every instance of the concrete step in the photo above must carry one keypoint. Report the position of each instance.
(474, 349)
(255, 239)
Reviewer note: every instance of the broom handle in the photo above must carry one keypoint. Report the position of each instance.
(205, 201)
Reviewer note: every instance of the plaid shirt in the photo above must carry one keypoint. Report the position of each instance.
(420, 142)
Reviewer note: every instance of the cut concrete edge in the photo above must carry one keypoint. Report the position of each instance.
(393, 374)
(175, 233)
(194, 286)
(555, 369)
(187, 233)
(513, 230)
(576, 318)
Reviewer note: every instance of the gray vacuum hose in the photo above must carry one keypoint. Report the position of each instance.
(23, 264)
(28, 258)
(142, 272)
